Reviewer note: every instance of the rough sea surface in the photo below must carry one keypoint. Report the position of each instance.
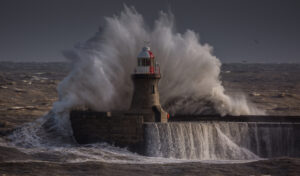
(31, 145)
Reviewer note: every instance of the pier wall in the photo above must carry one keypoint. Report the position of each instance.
(264, 136)
(118, 129)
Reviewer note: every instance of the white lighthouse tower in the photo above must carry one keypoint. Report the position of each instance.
(145, 100)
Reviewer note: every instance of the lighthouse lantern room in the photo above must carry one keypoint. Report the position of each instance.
(147, 63)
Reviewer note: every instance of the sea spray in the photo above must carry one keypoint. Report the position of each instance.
(51, 130)
(100, 78)
(220, 140)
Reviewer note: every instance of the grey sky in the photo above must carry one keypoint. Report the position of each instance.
(239, 30)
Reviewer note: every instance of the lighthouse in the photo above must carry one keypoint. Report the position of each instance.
(145, 100)
(125, 128)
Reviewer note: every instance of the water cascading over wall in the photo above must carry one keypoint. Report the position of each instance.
(222, 140)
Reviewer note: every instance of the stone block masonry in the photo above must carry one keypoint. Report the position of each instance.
(120, 129)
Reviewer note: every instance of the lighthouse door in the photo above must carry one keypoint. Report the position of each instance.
(156, 113)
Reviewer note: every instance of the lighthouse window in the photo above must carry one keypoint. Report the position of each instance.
(153, 89)
(148, 62)
(144, 62)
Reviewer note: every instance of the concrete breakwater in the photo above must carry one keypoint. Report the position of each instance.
(202, 137)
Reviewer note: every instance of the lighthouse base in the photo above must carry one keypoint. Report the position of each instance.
(154, 114)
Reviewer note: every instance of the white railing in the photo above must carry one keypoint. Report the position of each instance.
(146, 70)
(142, 70)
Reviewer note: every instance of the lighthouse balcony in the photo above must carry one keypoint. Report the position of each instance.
(147, 70)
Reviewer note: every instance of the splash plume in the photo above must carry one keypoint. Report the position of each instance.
(100, 78)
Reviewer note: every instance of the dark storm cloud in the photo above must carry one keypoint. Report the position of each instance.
(239, 30)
